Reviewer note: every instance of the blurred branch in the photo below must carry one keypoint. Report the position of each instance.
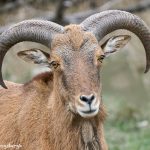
(61, 18)
(60, 12)
(141, 6)
(79, 17)
(9, 6)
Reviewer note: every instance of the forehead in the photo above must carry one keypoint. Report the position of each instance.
(74, 41)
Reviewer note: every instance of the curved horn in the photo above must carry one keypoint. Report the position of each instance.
(106, 22)
(30, 30)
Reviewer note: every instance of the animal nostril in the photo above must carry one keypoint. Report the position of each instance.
(84, 98)
(92, 97)
(88, 99)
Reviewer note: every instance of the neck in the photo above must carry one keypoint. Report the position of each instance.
(70, 131)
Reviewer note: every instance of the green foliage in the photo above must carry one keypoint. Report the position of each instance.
(122, 128)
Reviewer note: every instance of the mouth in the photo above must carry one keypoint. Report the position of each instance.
(89, 111)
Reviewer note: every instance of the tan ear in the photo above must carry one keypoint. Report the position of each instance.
(35, 56)
(115, 43)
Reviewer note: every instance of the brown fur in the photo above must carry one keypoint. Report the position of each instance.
(35, 115)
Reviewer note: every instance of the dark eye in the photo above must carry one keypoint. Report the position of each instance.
(54, 64)
(100, 58)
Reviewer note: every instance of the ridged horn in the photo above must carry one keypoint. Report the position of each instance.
(106, 22)
(39, 31)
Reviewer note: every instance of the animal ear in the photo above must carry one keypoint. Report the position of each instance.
(35, 56)
(115, 43)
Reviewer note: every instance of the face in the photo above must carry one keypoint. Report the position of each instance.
(76, 61)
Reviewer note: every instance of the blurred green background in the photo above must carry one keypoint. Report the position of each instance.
(126, 89)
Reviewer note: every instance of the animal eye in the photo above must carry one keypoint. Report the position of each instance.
(54, 64)
(100, 58)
